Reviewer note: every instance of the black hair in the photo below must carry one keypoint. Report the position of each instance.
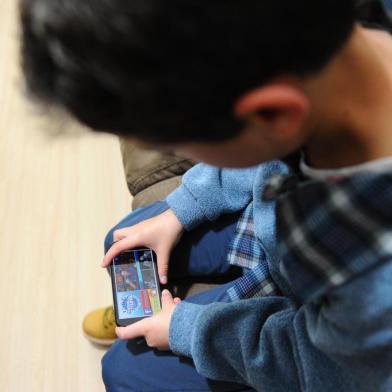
(374, 14)
(171, 71)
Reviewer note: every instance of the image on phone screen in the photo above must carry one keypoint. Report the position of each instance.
(136, 286)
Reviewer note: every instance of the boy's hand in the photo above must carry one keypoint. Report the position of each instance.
(160, 233)
(155, 329)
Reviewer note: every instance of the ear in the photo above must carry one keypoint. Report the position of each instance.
(279, 108)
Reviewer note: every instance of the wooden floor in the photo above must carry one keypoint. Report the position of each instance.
(58, 197)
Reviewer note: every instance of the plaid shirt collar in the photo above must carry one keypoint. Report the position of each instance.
(329, 232)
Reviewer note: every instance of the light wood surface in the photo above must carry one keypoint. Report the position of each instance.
(58, 198)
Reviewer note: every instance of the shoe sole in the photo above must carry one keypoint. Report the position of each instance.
(101, 342)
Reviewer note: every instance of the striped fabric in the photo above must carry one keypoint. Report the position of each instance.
(245, 251)
(331, 231)
(327, 233)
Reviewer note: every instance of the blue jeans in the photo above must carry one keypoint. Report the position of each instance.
(131, 365)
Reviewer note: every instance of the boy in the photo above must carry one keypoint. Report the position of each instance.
(235, 85)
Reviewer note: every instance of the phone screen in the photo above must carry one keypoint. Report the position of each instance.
(136, 284)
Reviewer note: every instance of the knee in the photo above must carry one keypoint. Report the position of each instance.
(121, 370)
(134, 218)
(109, 369)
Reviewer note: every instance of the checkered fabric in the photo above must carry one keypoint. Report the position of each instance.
(331, 231)
(246, 251)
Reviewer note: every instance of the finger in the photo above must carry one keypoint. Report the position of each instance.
(163, 265)
(134, 330)
(167, 299)
(177, 300)
(119, 234)
(118, 247)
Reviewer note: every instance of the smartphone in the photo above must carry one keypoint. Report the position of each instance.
(135, 283)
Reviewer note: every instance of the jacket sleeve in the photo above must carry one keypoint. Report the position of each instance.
(207, 192)
(341, 342)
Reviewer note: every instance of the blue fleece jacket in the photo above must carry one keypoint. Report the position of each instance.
(281, 343)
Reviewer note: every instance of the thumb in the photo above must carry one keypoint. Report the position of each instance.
(167, 299)
(163, 265)
(133, 330)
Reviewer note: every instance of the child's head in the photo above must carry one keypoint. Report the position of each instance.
(184, 72)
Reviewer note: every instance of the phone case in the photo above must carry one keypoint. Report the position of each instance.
(141, 299)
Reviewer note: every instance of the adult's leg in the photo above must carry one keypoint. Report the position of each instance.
(131, 366)
(151, 175)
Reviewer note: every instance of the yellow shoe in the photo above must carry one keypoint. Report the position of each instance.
(99, 326)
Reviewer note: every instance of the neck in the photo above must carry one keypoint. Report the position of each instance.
(352, 117)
